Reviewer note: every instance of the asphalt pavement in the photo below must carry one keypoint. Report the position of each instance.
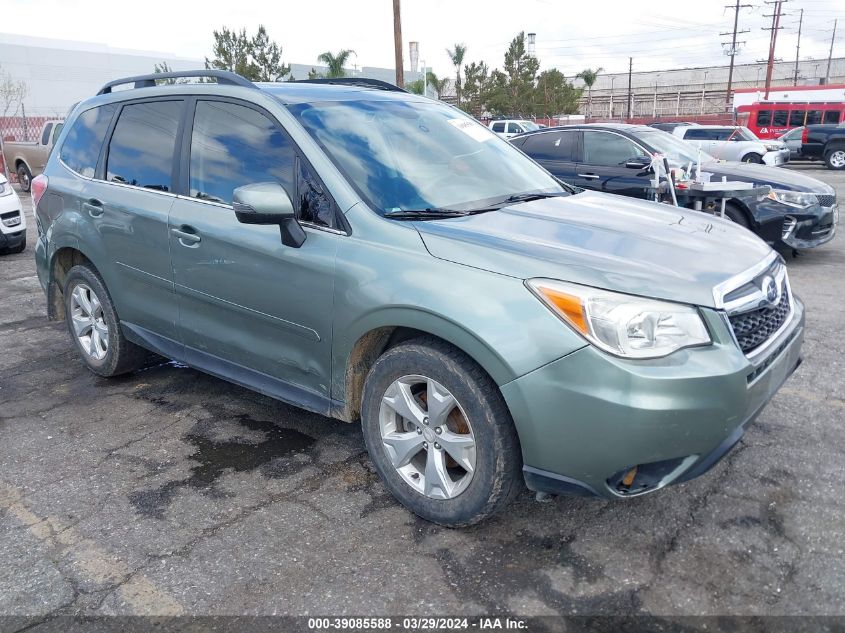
(168, 491)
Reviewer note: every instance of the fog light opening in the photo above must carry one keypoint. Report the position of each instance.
(641, 478)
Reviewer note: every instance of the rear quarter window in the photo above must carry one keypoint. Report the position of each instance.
(81, 147)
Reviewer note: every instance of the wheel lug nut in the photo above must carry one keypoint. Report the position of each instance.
(425, 444)
(425, 421)
(419, 431)
(437, 446)
(438, 430)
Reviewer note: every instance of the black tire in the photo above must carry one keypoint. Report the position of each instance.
(753, 157)
(497, 475)
(24, 178)
(835, 158)
(736, 215)
(20, 248)
(121, 356)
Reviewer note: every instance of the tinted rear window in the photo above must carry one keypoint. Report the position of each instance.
(81, 148)
(550, 146)
(141, 148)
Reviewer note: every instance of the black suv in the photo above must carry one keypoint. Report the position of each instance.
(800, 212)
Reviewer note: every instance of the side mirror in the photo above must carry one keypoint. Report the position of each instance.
(268, 203)
(640, 162)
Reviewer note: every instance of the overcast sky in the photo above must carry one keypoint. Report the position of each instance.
(571, 35)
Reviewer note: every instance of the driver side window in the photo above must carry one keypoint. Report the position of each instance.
(608, 149)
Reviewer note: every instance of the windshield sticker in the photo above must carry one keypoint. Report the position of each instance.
(473, 130)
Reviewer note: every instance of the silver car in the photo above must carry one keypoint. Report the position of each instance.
(734, 143)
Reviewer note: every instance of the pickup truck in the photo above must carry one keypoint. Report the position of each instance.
(825, 142)
(27, 158)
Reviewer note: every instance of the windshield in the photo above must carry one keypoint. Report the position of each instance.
(678, 151)
(414, 155)
(529, 126)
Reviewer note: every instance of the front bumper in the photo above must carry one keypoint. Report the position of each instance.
(12, 240)
(588, 417)
(776, 158)
(813, 231)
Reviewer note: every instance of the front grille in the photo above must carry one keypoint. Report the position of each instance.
(826, 200)
(755, 327)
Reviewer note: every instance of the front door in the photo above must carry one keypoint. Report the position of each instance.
(603, 166)
(250, 308)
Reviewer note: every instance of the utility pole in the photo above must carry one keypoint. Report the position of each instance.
(732, 51)
(397, 44)
(773, 41)
(630, 94)
(798, 46)
(830, 54)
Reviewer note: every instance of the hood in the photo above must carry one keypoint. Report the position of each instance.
(601, 240)
(776, 177)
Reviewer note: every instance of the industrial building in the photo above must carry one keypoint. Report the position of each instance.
(696, 91)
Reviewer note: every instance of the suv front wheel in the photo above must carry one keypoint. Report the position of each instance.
(94, 327)
(439, 433)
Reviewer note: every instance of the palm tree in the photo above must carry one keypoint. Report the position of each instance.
(589, 76)
(336, 62)
(439, 85)
(457, 55)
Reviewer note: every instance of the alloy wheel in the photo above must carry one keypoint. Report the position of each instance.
(837, 159)
(89, 323)
(427, 437)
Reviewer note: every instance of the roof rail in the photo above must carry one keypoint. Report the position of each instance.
(363, 82)
(149, 81)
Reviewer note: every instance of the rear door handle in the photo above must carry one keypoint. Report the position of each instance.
(94, 207)
(187, 236)
(589, 176)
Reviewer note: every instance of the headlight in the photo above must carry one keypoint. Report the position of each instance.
(797, 199)
(624, 325)
(773, 147)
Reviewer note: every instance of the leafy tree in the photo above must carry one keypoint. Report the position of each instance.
(555, 95)
(439, 86)
(313, 74)
(456, 55)
(474, 89)
(512, 92)
(335, 62)
(589, 76)
(267, 57)
(257, 58)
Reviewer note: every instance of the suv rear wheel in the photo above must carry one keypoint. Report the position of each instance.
(94, 327)
(835, 158)
(439, 433)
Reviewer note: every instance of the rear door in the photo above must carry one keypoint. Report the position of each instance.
(128, 202)
(602, 167)
(250, 308)
(556, 151)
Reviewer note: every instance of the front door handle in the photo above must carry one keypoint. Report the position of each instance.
(94, 207)
(589, 176)
(187, 236)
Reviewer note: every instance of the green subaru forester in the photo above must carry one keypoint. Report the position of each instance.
(384, 259)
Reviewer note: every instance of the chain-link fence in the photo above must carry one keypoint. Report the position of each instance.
(15, 129)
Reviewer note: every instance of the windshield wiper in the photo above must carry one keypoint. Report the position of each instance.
(528, 197)
(425, 214)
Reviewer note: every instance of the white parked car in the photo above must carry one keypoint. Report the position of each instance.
(734, 143)
(12, 220)
(511, 127)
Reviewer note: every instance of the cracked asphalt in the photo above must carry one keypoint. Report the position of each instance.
(171, 492)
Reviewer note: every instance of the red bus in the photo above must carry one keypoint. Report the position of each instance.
(788, 108)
